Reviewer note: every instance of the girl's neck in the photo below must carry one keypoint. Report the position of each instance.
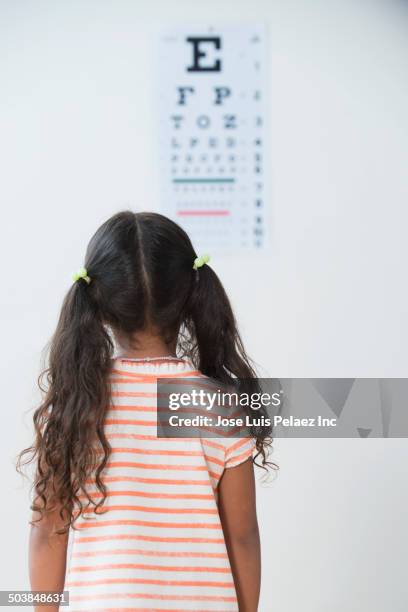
(144, 344)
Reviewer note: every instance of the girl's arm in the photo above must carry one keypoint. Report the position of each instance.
(47, 557)
(237, 507)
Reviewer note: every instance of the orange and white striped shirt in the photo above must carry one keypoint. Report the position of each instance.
(158, 546)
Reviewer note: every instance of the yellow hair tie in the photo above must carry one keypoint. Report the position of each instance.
(200, 261)
(82, 273)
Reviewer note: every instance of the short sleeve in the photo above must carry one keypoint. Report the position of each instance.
(238, 451)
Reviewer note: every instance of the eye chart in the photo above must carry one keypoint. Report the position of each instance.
(212, 91)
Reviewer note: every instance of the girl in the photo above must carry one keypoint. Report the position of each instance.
(122, 519)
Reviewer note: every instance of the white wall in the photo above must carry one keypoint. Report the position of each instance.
(76, 145)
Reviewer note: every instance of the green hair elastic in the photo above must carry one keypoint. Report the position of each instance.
(201, 261)
(82, 273)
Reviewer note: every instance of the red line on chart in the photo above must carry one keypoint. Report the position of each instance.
(204, 213)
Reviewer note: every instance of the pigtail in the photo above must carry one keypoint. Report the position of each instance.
(217, 348)
(71, 415)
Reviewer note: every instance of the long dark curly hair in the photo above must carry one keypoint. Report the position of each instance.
(140, 265)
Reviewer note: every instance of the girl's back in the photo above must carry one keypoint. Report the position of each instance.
(158, 542)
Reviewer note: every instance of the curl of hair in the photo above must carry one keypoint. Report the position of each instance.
(69, 432)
